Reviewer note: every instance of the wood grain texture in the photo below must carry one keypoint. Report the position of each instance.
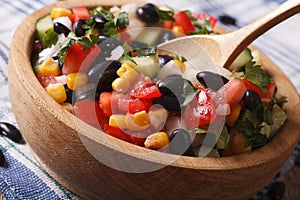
(86, 161)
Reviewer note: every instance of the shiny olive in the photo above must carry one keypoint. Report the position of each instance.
(164, 59)
(78, 29)
(211, 80)
(103, 74)
(276, 191)
(181, 143)
(251, 99)
(10, 131)
(171, 86)
(107, 45)
(99, 21)
(69, 93)
(226, 19)
(60, 28)
(147, 13)
(170, 103)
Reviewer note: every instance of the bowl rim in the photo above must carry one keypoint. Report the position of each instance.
(281, 142)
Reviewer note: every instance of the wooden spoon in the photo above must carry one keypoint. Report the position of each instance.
(223, 49)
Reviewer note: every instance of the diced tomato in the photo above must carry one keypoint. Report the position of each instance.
(232, 93)
(137, 140)
(270, 89)
(78, 60)
(105, 102)
(202, 16)
(90, 112)
(80, 13)
(45, 80)
(146, 91)
(117, 133)
(200, 111)
(182, 19)
(133, 105)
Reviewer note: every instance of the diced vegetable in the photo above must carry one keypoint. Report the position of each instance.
(57, 92)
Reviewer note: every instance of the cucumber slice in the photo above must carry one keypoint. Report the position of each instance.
(148, 65)
(244, 57)
(42, 25)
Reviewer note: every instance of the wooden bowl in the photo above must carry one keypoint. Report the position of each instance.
(96, 166)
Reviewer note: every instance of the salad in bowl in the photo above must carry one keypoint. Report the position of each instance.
(103, 65)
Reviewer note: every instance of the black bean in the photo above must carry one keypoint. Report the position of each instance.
(69, 93)
(211, 80)
(171, 86)
(170, 103)
(103, 74)
(147, 13)
(107, 45)
(78, 29)
(60, 28)
(226, 19)
(37, 46)
(99, 21)
(180, 143)
(251, 100)
(11, 132)
(164, 59)
(3, 162)
(276, 191)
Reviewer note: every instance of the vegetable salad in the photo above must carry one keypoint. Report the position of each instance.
(119, 83)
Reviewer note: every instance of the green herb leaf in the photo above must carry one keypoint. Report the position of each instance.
(189, 93)
(257, 76)
(122, 21)
(165, 13)
(88, 42)
(51, 37)
(63, 50)
(146, 51)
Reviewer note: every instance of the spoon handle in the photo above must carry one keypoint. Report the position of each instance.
(238, 40)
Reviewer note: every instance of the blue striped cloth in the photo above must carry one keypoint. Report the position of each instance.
(25, 179)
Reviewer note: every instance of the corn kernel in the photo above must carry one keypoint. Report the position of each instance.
(67, 106)
(130, 121)
(120, 85)
(57, 91)
(157, 140)
(234, 115)
(178, 29)
(127, 72)
(141, 118)
(76, 80)
(49, 67)
(118, 121)
(180, 65)
(60, 12)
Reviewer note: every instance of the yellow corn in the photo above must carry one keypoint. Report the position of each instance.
(57, 91)
(180, 65)
(178, 29)
(118, 121)
(120, 85)
(60, 12)
(157, 140)
(76, 80)
(127, 72)
(141, 118)
(234, 115)
(138, 121)
(49, 67)
(67, 106)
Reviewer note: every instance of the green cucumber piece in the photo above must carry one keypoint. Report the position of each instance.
(42, 25)
(148, 65)
(244, 57)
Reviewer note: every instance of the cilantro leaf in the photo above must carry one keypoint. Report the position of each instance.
(257, 76)
(51, 37)
(122, 21)
(88, 42)
(202, 26)
(189, 92)
(165, 13)
(63, 50)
